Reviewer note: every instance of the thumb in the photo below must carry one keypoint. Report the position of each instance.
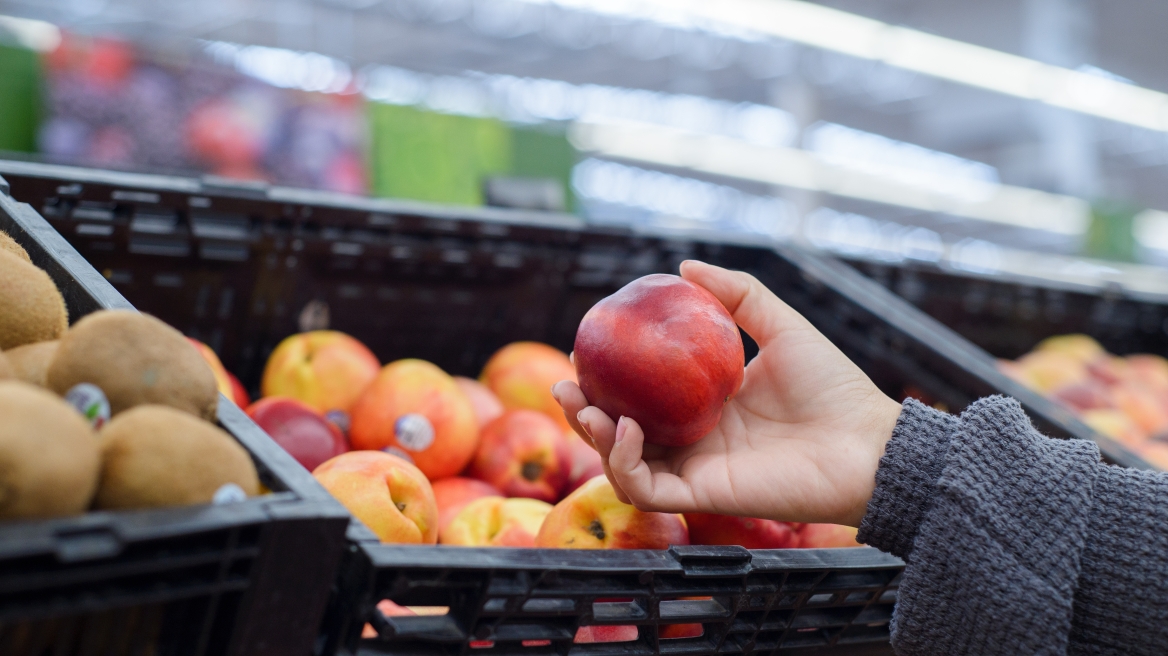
(754, 307)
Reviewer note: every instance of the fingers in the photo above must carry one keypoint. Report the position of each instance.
(572, 400)
(602, 430)
(754, 307)
(651, 491)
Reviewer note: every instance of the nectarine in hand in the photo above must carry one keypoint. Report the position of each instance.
(663, 351)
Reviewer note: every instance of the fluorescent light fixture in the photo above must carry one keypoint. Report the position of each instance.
(670, 196)
(839, 31)
(789, 167)
(32, 34)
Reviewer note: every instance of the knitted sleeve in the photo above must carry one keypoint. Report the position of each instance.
(1016, 543)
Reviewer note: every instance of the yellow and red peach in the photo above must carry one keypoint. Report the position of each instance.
(452, 494)
(521, 374)
(524, 454)
(391, 496)
(487, 406)
(593, 518)
(496, 522)
(417, 408)
(326, 369)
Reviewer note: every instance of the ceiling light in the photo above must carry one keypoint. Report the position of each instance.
(789, 167)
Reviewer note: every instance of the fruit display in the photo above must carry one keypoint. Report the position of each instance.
(1122, 397)
(119, 406)
(663, 351)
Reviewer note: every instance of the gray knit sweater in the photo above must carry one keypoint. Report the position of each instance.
(1017, 543)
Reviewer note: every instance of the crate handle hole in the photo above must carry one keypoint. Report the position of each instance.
(606, 633)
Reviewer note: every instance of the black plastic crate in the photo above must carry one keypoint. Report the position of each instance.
(1008, 315)
(247, 578)
(237, 264)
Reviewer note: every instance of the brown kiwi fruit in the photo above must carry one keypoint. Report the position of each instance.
(155, 456)
(30, 362)
(49, 456)
(136, 360)
(7, 243)
(31, 308)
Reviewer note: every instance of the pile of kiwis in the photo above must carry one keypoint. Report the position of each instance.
(158, 448)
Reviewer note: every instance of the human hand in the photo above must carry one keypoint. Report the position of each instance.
(800, 442)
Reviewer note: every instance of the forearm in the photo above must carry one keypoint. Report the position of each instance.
(992, 519)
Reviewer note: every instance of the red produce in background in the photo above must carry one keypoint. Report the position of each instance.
(299, 429)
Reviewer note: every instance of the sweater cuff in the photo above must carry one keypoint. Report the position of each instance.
(905, 482)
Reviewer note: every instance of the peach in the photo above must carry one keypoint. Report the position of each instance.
(391, 496)
(663, 351)
(299, 429)
(1087, 394)
(593, 518)
(388, 609)
(222, 377)
(521, 374)
(1155, 452)
(1141, 406)
(487, 406)
(1116, 425)
(824, 536)
(1082, 348)
(326, 369)
(452, 494)
(586, 463)
(1151, 370)
(496, 522)
(414, 406)
(524, 454)
(1044, 371)
(742, 531)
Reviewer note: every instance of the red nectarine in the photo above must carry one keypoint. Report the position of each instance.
(663, 351)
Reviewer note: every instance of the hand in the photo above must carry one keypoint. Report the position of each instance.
(800, 442)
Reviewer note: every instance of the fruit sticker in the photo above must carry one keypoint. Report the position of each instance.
(414, 432)
(90, 401)
(338, 418)
(228, 493)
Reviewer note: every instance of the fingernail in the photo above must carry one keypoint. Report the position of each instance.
(621, 427)
(555, 394)
(584, 424)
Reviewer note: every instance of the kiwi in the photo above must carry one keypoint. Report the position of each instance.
(49, 457)
(31, 308)
(9, 244)
(154, 456)
(30, 362)
(135, 359)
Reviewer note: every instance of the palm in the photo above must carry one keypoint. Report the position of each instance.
(794, 443)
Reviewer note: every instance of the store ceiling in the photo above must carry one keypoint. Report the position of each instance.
(516, 38)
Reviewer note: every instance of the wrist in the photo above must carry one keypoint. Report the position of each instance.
(876, 433)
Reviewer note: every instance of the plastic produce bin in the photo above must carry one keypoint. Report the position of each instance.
(238, 265)
(249, 578)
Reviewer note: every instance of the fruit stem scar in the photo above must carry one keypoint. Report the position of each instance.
(531, 470)
(401, 506)
(596, 529)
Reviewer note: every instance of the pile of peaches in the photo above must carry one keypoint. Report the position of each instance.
(1125, 398)
(423, 457)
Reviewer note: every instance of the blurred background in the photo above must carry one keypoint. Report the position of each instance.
(995, 138)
